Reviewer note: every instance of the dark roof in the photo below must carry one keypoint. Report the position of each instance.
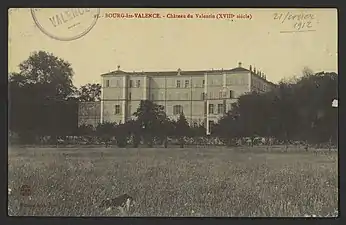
(184, 73)
(175, 73)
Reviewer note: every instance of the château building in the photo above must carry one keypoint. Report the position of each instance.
(203, 96)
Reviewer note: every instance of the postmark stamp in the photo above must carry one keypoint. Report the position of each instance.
(65, 24)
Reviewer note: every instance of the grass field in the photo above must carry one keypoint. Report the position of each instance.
(173, 182)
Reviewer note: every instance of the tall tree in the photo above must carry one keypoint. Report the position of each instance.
(182, 129)
(90, 93)
(45, 68)
(150, 116)
(38, 94)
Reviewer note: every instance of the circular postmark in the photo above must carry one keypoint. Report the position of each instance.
(65, 24)
(25, 190)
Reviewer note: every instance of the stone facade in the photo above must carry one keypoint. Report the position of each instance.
(202, 95)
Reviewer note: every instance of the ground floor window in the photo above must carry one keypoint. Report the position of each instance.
(220, 109)
(177, 109)
(211, 108)
(117, 109)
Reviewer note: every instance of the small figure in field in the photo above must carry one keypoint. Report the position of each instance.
(122, 202)
(306, 147)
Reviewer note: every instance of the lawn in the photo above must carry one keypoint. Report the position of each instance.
(173, 182)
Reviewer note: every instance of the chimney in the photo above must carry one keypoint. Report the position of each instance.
(239, 64)
(254, 70)
(179, 70)
(118, 67)
(250, 68)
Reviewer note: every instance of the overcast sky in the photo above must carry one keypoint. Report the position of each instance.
(189, 44)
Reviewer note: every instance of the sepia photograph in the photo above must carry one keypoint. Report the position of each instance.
(173, 112)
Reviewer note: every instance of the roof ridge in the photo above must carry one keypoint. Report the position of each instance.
(174, 71)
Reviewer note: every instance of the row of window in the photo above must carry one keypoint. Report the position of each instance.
(131, 83)
(186, 96)
(178, 83)
(260, 86)
(186, 84)
(222, 94)
(220, 109)
(178, 109)
(138, 83)
(228, 82)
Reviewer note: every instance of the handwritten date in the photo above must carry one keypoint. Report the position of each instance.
(293, 17)
(299, 20)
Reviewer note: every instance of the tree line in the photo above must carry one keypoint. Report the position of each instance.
(44, 102)
(298, 109)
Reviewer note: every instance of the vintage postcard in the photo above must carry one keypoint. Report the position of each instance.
(179, 112)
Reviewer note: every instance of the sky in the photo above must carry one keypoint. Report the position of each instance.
(264, 40)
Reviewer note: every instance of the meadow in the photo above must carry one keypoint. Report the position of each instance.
(191, 182)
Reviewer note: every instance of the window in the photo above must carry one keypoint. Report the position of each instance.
(152, 97)
(117, 83)
(187, 83)
(117, 109)
(178, 83)
(131, 83)
(203, 96)
(138, 83)
(231, 94)
(211, 108)
(220, 94)
(177, 109)
(220, 109)
(130, 95)
(107, 83)
(203, 83)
